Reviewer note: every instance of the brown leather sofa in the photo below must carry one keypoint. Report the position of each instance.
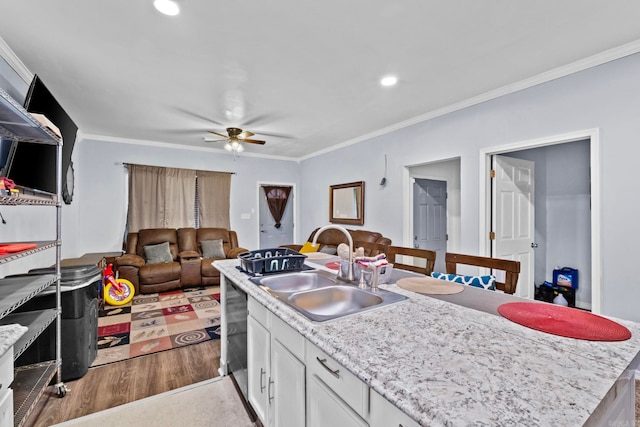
(331, 238)
(184, 267)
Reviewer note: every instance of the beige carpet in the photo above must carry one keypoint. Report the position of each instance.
(210, 403)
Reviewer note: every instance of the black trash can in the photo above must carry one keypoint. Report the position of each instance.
(79, 297)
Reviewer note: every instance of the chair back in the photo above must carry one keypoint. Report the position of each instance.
(510, 267)
(370, 248)
(427, 255)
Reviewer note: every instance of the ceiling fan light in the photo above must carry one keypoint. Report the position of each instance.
(239, 148)
(228, 147)
(236, 145)
(388, 80)
(168, 7)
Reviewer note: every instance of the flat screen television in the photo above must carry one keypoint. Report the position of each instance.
(33, 165)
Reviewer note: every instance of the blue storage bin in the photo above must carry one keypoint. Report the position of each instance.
(566, 277)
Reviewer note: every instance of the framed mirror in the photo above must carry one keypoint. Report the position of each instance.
(346, 203)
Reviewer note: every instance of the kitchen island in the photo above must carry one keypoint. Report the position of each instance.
(442, 363)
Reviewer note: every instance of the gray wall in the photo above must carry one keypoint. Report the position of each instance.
(606, 97)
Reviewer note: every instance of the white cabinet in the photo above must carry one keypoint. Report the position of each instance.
(288, 387)
(275, 369)
(334, 393)
(327, 409)
(30, 381)
(384, 414)
(258, 366)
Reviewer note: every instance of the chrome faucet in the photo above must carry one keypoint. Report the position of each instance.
(349, 277)
(374, 276)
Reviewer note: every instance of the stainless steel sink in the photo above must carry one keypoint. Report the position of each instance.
(334, 300)
(320, 298)
(295, 282)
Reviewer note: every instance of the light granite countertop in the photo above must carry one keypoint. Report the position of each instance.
(445, 364)
(9, 334)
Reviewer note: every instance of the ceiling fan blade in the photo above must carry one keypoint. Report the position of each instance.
(198, 116)
(219, 134)
(245, 134)
(205, 139)
(276, 135)
(254, 141)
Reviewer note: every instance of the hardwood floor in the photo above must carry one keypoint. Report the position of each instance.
(118, 383)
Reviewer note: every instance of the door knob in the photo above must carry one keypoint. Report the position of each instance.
(534, 245)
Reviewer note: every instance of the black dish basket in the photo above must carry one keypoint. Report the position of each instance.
(268, 261)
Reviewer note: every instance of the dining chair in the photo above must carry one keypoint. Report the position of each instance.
(428, 256)
(511, 268)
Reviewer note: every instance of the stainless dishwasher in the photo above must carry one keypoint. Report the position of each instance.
(236, 325)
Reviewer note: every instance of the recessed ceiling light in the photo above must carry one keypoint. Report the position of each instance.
(388, 81)
(168, 7)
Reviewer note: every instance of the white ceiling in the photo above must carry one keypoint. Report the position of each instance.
(301, 74)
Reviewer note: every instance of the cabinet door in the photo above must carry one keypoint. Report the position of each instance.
(288, 374)
(385, 414)
(327, 409)
(258, 348)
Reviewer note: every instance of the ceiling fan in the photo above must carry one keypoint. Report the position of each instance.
(234, 138)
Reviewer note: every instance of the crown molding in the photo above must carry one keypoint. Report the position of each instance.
(556, 73)
(14, 62)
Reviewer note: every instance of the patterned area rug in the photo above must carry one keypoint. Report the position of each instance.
(156, 322)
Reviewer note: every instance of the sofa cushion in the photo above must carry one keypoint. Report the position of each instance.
(156, 254)
(212, 248)
(329, 250)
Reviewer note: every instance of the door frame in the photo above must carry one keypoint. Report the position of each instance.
(593, 135)
(294, 206)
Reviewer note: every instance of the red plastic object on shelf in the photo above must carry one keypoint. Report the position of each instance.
(8, 248)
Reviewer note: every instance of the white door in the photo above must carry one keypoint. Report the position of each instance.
(270, 236)
(513, 220)
(430, 218)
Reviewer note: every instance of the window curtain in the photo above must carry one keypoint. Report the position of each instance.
(214, 191)
(277, 198)
(180, 199)
(147, 194)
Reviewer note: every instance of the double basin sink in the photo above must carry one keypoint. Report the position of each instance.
(319, 297)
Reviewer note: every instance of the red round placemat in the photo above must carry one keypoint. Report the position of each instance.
(564, 321)
(334, 265)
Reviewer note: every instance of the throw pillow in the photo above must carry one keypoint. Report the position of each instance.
(156, 254)
(212, 248)
(309, 247)
(329, 250)
(482, 282)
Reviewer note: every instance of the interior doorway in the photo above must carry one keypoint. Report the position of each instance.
(274, 233)
(430, 217)
(566, 209)
(433, 221)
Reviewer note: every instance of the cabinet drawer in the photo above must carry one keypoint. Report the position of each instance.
(343, 383)
(259, 312)
(6, 369)
(288, 337)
